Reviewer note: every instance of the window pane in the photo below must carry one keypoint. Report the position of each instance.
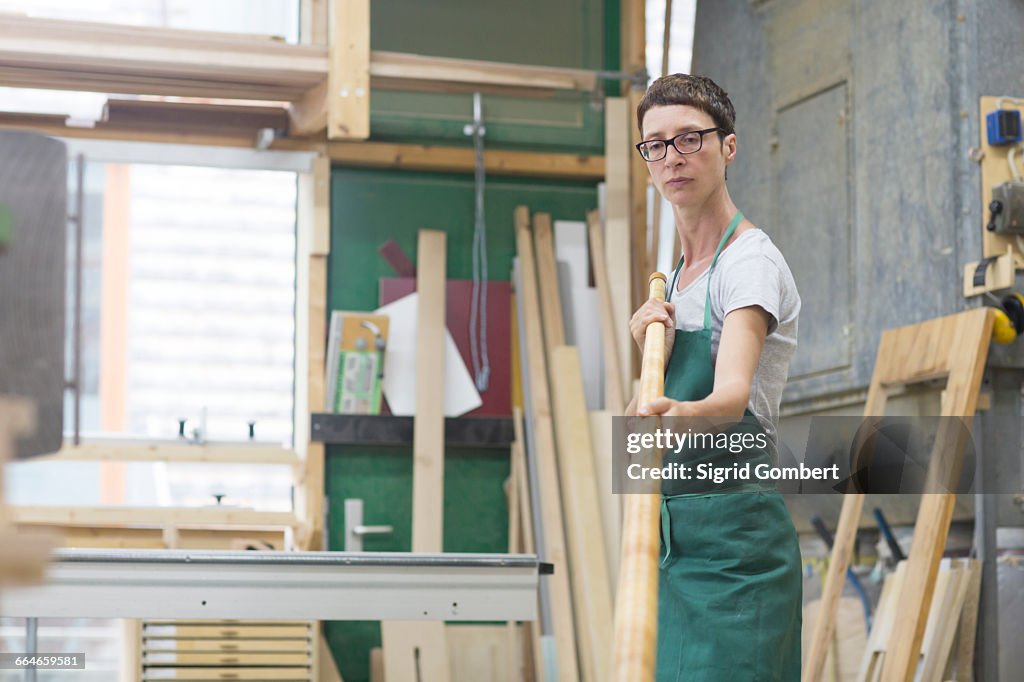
(188, 302)
(262, 17)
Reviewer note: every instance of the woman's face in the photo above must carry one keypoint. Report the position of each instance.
(687, 179)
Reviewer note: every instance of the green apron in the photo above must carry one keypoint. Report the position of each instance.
(730, 586)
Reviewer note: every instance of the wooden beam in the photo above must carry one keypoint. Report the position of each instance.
(139, 451)
(442, 70)
(428, 430)
(153, 517)
(550, 495)
(460, 159)
(114, 276)
(308, 115)
(547, 280)
(614, 395)
(592, 589)
(313, 22)
(618, 241)
(531, 630)
(113, 537)
(313, 247)
(138, 60)
(417, 650)
(348, 78)
(638, 183)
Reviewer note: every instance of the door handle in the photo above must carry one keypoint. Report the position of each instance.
(355, 529)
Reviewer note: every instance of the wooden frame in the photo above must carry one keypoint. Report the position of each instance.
(312, 248)
(953, 347)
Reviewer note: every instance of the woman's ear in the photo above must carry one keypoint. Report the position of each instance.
(730, 147)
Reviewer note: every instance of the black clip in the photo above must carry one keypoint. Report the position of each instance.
(979, 272)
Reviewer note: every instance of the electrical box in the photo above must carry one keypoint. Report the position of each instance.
(1006, 210)
(1003, 126)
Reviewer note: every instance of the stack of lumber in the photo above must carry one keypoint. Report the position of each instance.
(947, 651)
(560, 488)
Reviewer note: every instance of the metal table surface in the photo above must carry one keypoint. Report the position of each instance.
(186, 584)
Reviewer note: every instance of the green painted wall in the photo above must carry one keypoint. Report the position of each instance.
(567, 33)
(368, 207)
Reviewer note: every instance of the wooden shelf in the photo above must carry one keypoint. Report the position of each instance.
(358, 429)
(74, 55)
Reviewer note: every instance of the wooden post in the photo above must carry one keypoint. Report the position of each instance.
(617, 233)
(348, 77)
(313, 247)
(636, 605)
(418, 650)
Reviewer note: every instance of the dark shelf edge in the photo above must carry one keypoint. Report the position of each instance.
(367, 429)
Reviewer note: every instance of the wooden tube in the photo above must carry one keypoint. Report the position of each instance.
(636, 604)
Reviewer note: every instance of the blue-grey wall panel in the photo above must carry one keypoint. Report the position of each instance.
(811, 225)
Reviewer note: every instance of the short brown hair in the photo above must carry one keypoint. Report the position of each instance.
(698, 92)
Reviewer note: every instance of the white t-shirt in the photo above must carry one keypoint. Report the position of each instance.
(750, 271)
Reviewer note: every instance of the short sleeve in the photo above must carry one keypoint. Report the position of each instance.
(753, 278)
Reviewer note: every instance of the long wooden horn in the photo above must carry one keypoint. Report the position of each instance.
(636, 603)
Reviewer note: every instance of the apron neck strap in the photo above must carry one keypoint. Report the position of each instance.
(736, 220)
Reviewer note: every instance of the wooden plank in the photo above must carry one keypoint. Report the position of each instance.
(279, 674)
(158, 517)
(428, 434)
(231, 645)
(327, 669)
(547, 471)
(232, 630)
(611, 336)
(313, 247)
(171, 451)
(531, 630)
(443, 70)
(415, 650)
(308, 114)
(881, 630)
(225, 658)
(609, 503)
(313, 22)
(639, 180)
(547, 279)
(515, 536)
(592, 589)
(943, 620)
(481, 653)
(131, 658)
(963, 661)
(348, 78)
(462, 160)
(376, 664)
(618, 243)
(154, 537)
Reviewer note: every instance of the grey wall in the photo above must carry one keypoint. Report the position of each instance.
(854, 118)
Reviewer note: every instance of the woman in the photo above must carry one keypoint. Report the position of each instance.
(730, 581)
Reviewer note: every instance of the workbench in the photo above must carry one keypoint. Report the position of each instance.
(186, 584)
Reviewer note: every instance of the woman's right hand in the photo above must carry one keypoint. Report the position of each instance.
(653, 310)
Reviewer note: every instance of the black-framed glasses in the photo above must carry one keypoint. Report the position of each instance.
(689, 142)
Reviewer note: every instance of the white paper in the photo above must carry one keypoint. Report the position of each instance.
(460, 394)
